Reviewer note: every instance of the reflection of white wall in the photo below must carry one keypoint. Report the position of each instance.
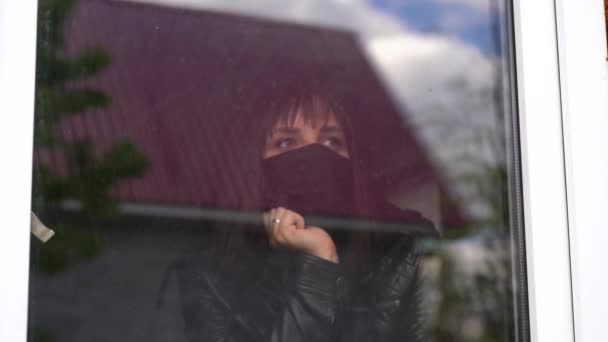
(444, 84)
(422, 197)
(445, 87)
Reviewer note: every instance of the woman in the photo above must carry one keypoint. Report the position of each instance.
(289, 279)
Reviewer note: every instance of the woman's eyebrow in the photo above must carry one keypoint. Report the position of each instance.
(331, 129)
(289, 130)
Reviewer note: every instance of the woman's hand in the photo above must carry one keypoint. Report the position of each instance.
(287, 229)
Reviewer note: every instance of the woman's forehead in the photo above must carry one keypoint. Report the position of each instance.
(301, 119)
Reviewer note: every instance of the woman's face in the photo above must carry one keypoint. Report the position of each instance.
(287, 136)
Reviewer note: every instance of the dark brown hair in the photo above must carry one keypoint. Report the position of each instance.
(321, 73)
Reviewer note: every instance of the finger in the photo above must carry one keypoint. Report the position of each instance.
(293, 218)
(298, 220)
(276, 226)
(270, 225)
(288, 219)
(289, 223)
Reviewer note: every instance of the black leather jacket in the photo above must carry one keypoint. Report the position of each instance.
(272, 296)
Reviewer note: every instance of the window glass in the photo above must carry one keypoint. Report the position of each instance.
(275, 171)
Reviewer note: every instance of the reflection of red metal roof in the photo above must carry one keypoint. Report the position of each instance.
(163, 64)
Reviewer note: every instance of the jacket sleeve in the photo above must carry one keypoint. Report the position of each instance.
(308, 311)
(393, 314)
(311, 308)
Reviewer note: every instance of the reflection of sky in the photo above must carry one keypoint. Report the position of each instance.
(452, 18)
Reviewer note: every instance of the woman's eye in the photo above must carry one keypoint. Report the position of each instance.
(333, 142)
(284, 143)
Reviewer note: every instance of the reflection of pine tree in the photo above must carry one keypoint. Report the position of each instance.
(87, 179)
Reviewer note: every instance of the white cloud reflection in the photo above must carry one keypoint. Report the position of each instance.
(477, 5)
(353, 15)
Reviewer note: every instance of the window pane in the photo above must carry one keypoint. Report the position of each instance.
(276, 171)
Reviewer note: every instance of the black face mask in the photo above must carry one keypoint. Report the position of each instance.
(318, 183)
(312, 180)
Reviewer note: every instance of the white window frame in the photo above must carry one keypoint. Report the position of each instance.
(17, 68)
(543, 175)
(563, 184)
(583, 60)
